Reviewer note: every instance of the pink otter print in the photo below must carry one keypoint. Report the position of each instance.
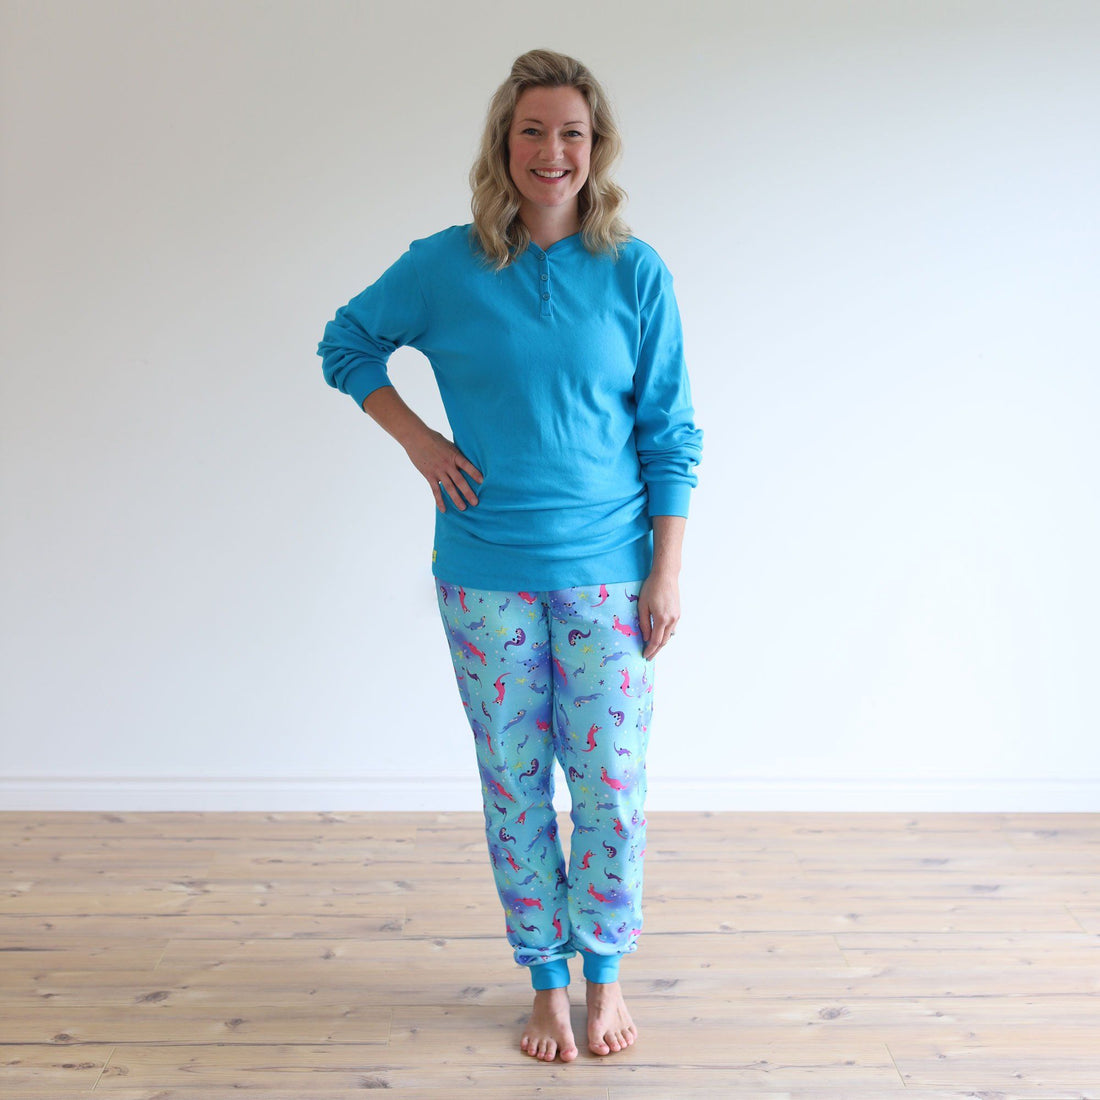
(557, 668)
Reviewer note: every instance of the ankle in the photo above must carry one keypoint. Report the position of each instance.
(557, 993)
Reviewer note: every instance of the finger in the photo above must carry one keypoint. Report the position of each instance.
(453, 493)
(662, 632)
(464, 488)
(470, 468)
(437, 493)
(643, 619)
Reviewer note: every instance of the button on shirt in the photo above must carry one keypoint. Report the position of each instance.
(564, 383)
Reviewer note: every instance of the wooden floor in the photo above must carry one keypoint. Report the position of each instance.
(190, 956)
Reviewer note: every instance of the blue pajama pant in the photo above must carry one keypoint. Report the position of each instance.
(559, 674)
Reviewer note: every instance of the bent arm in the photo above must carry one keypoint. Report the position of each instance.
(443, 465)
(388, 409)
(354, 351)
(358, 342)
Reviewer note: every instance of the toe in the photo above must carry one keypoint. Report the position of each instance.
(568, 1054)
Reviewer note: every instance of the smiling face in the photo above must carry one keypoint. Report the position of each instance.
(549, 145)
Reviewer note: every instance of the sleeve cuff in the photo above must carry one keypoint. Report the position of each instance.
(669, 498)
(365, 381)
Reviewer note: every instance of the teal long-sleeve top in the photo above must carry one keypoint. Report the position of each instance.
(564, 382)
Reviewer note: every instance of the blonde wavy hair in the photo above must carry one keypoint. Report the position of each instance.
(498, 228)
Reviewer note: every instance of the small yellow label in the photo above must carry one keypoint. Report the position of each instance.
(434, 552)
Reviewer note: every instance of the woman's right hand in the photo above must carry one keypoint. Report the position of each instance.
(444, 466)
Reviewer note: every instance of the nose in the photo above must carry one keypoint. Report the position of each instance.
(552, 146)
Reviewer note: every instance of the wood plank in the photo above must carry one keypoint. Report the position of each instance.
(1087, 917)
(350, 1066)
(819, 912)
(704, 1032)
(78, 954)
(497, 980)
(201, 927)
(85, 825)
(967, 941)
(481, 1091)
(635, 1090)
(1018, 1062)
(157, 903)
(50, 1070)
(827, 1091)
(947, 949)
(303, 1020)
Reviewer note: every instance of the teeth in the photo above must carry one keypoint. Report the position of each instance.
(550, 175)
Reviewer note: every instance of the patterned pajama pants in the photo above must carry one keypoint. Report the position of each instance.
(559, 674)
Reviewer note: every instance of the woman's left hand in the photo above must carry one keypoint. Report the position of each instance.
(658, 610)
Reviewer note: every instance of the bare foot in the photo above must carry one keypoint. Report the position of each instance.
(609, 1024)
(549, 1032)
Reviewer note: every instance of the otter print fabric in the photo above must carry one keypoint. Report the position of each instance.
(558, 673)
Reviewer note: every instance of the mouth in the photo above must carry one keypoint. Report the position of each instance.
(550, 175)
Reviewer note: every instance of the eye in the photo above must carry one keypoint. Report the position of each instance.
(575, 133)
(529, 130)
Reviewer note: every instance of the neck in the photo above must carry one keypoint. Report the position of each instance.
(549, 226)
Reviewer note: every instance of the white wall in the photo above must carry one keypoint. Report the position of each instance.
(882, 220)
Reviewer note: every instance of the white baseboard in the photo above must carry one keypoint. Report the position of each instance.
(442, 793)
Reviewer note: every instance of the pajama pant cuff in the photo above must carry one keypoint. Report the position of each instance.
(600, 968)
(550, 975)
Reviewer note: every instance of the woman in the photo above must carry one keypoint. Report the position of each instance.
(561, 503)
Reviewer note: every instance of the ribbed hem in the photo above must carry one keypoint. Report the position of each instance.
(364, 381)
(551, 975)
(669, 498)
(600, 968)
(516, 569)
